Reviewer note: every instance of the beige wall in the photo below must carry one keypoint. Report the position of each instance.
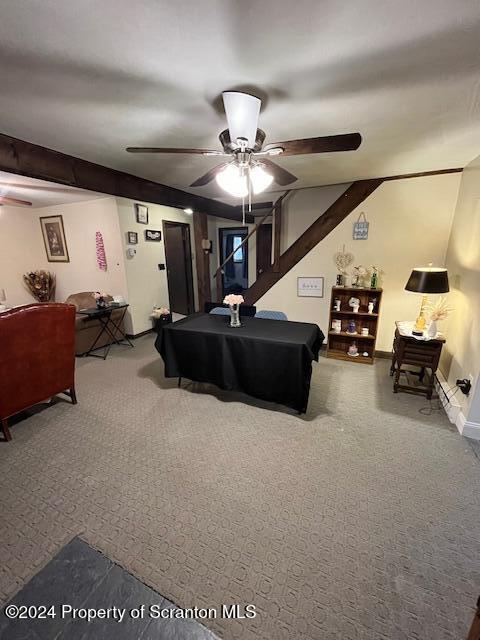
(461, 357)
(147, 286)
(410, 224)
(23, 249)
(81, 221)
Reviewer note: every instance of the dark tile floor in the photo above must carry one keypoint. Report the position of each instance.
(80, 578)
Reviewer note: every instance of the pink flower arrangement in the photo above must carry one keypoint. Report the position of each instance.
(233, 299)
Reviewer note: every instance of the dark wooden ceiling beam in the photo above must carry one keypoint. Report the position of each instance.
(34, 161)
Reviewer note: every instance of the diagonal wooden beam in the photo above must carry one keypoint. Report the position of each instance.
(34, 161)
(356, 193)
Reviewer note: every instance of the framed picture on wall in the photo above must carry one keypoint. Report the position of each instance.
(151, 235)
(141, 213)
(310, 287)
(54, 238)
(132, 237)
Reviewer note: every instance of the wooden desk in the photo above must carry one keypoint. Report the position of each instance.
(424, 354)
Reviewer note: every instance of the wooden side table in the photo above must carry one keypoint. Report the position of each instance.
(408, 351)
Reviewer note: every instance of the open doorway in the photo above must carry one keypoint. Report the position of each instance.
(235, 272)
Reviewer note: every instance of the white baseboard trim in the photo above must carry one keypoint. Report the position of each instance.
(454, 411)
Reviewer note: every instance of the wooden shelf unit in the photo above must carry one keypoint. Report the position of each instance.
(338, 343)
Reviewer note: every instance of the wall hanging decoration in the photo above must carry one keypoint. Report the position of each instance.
(342, 261)
(360, 227)
(153, 236)
(141, 213)
(54, 238)
(41, 284)
(310, 287)
(100, 249)
(132, 237)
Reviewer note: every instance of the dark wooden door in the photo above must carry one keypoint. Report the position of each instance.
(178, 256)
(264, 247)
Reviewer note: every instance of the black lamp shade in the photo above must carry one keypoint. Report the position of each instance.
(428, 280)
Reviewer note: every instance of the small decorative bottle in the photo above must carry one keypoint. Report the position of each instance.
(374, 278)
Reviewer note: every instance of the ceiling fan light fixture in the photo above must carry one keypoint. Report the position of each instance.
(233, 180)
(242, 111)
(260, 179)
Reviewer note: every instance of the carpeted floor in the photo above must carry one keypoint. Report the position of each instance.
(359, 520)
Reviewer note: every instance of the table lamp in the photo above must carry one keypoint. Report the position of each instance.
(3, 299)
(426, 280)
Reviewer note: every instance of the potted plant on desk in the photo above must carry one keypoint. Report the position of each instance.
(160, 316)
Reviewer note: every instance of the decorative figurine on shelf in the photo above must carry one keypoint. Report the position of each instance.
(339, 281)
(336, 304)
(355, 304)
(100, 300)
(352, 327)
(337, 326)
(358, 275)
(371, 305)
(364, 331)
(353, 350)
(374, 277)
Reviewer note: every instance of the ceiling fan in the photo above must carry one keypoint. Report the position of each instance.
(249, 168)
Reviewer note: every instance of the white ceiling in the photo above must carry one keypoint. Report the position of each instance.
(41, 193)
(90, 78)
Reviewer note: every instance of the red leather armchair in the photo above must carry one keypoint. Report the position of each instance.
(37, 356)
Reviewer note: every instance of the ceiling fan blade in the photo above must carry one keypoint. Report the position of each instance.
(242, 111)
(280, 175)
(7, 200)
(325, 144)
(20, 185)
(209, 176)
(202, 152)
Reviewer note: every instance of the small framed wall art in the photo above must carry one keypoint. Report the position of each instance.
(132, 237)
(360, 227)
(151, 235)
(54, 238)
(141, 213)
(310, 287)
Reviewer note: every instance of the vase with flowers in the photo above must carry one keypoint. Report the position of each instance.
(100, 299)
(234, 301)
(41, 284)
(358, 275)
(436, 311)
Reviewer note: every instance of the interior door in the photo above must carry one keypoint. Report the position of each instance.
(178, 256)
(264, 247)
